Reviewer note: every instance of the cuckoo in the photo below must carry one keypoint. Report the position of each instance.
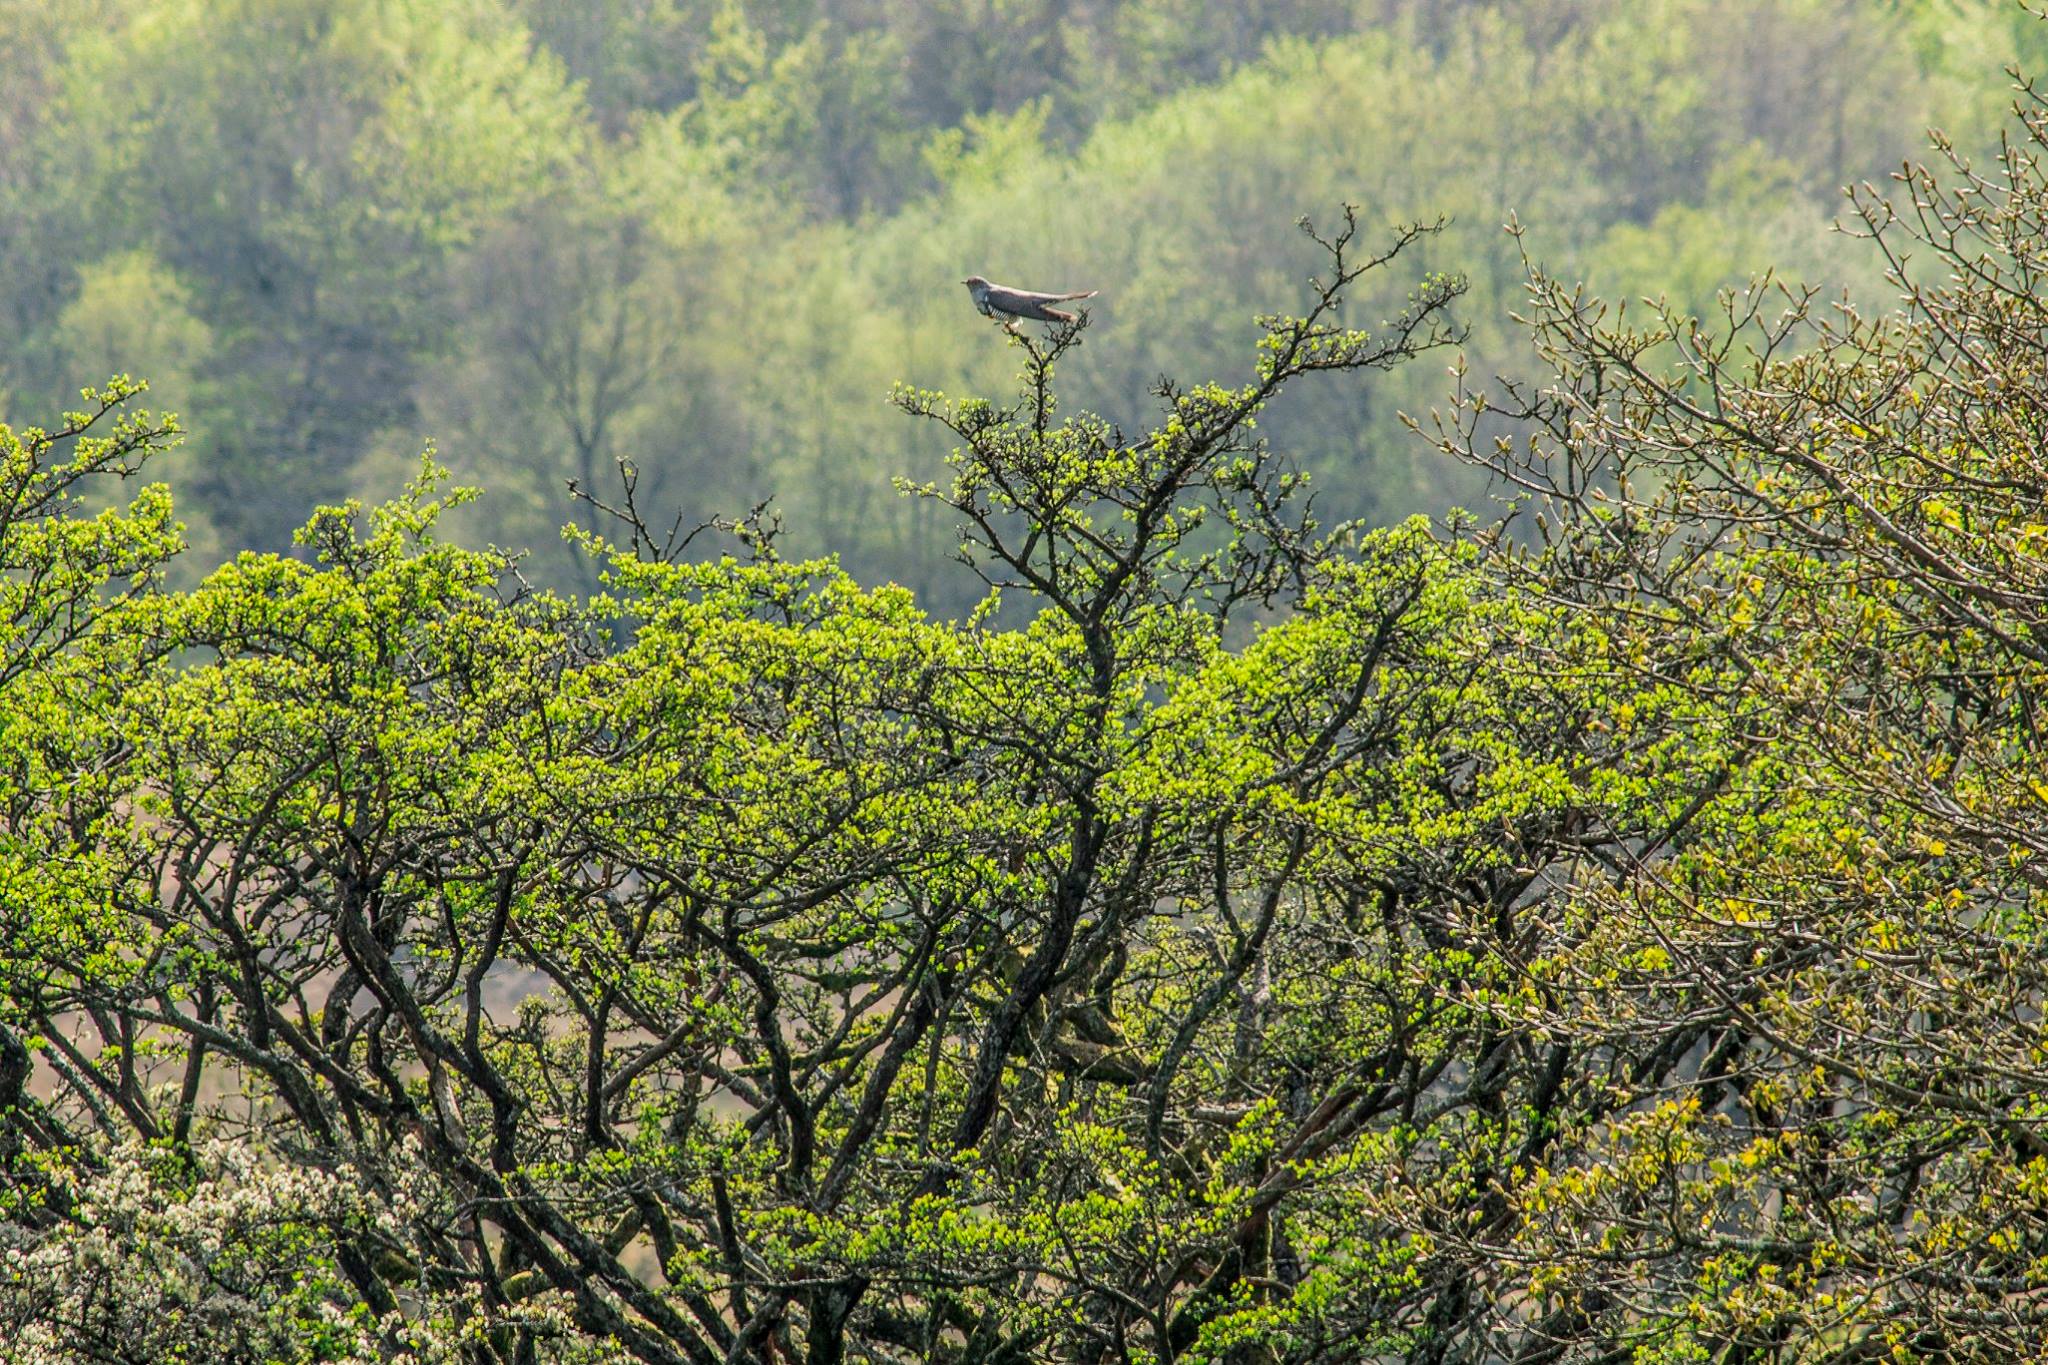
(995, 299)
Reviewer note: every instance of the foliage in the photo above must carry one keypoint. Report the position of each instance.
(1613, 933)
(208, 1254)
(1811, 1011)
(803, 972)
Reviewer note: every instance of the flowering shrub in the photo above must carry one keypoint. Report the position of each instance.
(223, 1257)
(213, 1258)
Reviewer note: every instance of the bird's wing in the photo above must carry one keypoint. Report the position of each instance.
(1006, 297)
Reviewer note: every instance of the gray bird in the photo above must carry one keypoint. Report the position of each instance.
(992, 299)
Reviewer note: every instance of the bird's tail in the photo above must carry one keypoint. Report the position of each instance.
(1060, 313)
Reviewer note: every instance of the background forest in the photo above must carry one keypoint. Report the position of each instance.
(707, 235)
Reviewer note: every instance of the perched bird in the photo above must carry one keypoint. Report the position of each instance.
(993, 299)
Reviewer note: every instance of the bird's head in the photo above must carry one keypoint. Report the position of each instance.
(975, 282)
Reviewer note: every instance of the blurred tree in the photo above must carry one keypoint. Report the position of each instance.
(1128, 56)
(630, 56)
(571, 323)
(131, 316)
(570, 314)
(306, 169)
(815, 117)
